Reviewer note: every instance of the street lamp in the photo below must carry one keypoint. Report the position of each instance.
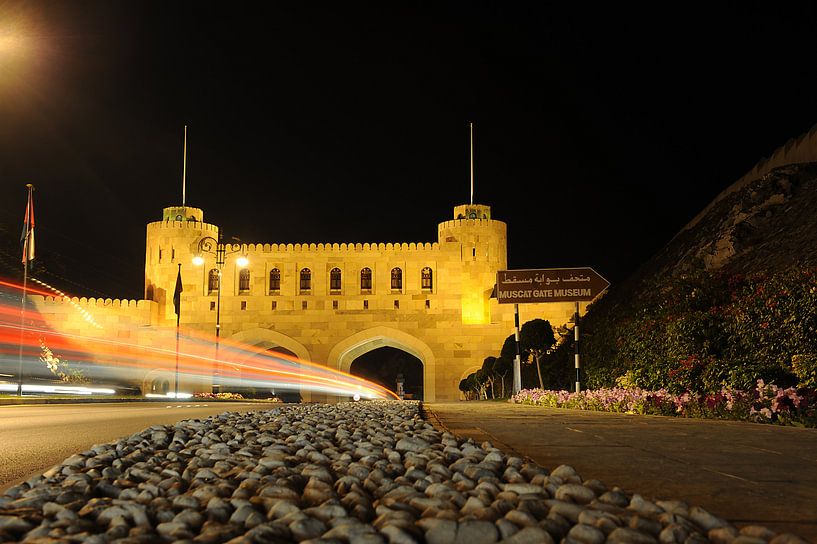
(218, 248)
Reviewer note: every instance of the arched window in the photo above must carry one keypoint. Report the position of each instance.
(334, 279)
(244, 279)
(396, 279)
(306, 279)
(426, 281)
(274, 280)
(366, 279)
(212, 281)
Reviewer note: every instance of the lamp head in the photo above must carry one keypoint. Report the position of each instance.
(242, 261)
(198, 260)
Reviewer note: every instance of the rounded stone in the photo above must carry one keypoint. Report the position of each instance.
(476, 532)
(623, 535)
(586, 534)
(575, 493)
(530, 535)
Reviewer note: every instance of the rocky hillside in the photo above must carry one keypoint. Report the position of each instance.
(769, 224)
(730, 299)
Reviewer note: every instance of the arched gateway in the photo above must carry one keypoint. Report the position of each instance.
(345, 352)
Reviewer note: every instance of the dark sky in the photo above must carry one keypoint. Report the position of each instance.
(599, 131)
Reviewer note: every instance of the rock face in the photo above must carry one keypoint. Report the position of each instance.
(767, 225)
(369, 472)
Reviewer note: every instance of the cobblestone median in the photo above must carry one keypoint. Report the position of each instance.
(367, 472)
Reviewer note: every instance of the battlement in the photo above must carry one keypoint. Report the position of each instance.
(191, 225)
(335, 247)
(91, 303)
(479, 223)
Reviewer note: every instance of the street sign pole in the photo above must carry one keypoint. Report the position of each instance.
(517, 361)
(576, 339)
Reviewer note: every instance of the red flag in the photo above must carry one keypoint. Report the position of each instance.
(27, 236)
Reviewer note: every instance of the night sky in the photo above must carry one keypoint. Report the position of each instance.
(599, 133)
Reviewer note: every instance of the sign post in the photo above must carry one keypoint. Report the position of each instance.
(517, 361)
(576, 348)
(548, 285)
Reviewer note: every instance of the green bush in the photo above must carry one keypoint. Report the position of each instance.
(703, 331)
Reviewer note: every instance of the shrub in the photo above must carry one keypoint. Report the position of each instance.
(765, 403)
(704, 332)
(219, 396)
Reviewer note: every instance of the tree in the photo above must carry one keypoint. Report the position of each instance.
(509, 348)
(465, 387)
(509, 351)
(479, 379)
(502, 366)
(488, 369)
(537, 337)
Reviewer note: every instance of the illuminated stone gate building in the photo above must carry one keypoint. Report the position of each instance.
(326, 303)
(331, 303)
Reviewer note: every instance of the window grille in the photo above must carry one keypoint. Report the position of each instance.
(335, 279)
(274, 280)
(366, 279)
(212, 281)
(306, 279)
(426, 281)
(244, 279)
(396, 279)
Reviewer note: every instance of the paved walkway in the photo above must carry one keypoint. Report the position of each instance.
(746, 473)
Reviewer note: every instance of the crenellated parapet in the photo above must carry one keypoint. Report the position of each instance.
(335, 247)
(93, 316)
(471, 223)
(184, 225)
(795, 151)
(90, 303)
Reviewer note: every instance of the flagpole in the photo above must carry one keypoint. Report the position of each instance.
(27, 257)
(178, 317)
(184, 169)
(22, 326)
(472, 163)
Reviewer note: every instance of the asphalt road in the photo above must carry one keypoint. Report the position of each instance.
(33, 438)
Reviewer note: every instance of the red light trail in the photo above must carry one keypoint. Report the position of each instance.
(104, 358)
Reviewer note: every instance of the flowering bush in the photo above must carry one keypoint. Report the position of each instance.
(704, 331)
(766, 403)
(218, 396)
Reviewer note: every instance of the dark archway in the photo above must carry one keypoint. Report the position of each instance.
(382, 366)
(285, 351)
(286, 395)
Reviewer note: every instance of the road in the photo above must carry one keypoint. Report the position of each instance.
(33, 438)
(747, 473)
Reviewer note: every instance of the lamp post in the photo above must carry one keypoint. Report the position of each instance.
(218, 248)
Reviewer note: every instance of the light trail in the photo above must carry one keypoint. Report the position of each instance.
(107, 357)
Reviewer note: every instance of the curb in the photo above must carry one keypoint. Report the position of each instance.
(45, 400)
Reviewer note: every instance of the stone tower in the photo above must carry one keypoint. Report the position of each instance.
(171, 241)
(483, 247)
